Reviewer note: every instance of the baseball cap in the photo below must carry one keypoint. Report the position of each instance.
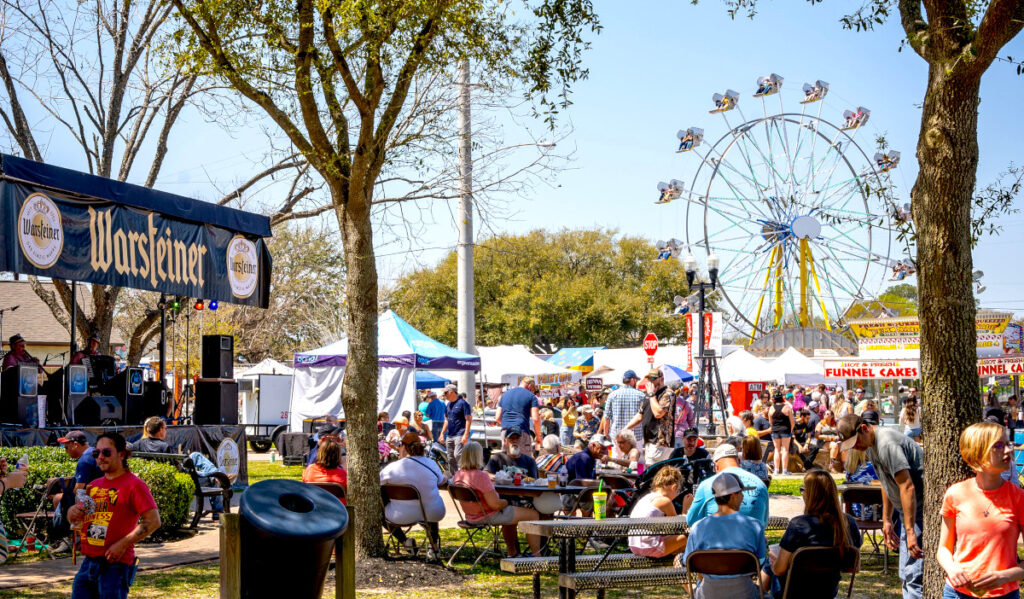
(690, 432)
(727, 483)
(401, 420)
(629, 374)
(327, 429)
(847, 427)
(599, 438)
(587, 409)
(725, 450)
(450, 387)
(654, 373)
(513, 430)
(76, 436)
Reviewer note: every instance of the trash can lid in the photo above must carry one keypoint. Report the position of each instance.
(290, 509)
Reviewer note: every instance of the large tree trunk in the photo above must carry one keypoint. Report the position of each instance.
(359, 391)
(948, 153)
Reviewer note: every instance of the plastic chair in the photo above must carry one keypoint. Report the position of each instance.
(720, 562)
(872, 529)
(821, 560)
(465, 494)
(402, 492)
(581, 497)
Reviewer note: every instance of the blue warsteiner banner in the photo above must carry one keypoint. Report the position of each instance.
(47, 233)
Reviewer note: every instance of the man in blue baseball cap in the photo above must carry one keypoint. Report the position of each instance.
(622, 405)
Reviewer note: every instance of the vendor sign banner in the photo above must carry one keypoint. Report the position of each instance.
(989, 345)
(93, 241)
(1001, 366)
(872, 369)
(910, 326)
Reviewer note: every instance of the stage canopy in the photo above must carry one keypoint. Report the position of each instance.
(401, 351)
(506, 364)
(64, 224)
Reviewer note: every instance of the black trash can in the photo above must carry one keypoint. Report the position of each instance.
(287, 532)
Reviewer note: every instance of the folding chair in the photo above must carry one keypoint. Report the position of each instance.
(333, 488)
(820, 560)
(464, 494)
(618, 486)
(720, 562)
(871, 529)
(36, 523)
(580, 498)
(401, 492)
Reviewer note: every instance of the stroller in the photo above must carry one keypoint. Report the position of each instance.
(694, 472)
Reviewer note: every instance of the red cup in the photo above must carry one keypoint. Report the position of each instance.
(517, 478)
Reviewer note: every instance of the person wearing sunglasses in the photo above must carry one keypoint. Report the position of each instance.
(76, 446)
(982, 518)
(125, 514)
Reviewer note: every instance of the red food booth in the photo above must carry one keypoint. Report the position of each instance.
(743, 393)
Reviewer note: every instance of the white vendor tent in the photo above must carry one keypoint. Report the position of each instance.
(506, 364)
(610, 364)
(401, 351)
(796, 368)
(742, 365)
(267, 366)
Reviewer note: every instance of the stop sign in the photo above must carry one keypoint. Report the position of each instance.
(650, 344)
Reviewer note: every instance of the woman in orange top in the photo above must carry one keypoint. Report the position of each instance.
(327, 467)
(981, 520)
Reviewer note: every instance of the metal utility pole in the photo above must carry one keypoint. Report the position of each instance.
(466, 308)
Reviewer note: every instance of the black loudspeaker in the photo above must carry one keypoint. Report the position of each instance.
(216, 402)
(99, 410)
(18, 395)
(218, 355)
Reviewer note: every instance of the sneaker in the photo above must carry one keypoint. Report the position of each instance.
(63, 546)
(215, 516)
(431, 555)
(787, 473)
(410, 544)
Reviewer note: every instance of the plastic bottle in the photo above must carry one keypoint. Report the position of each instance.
(22, 462)
(86, 504)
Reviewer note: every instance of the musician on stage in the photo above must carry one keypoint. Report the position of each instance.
(92, 349)
(18, 355)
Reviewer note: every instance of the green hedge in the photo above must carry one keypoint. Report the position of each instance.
(172, 490)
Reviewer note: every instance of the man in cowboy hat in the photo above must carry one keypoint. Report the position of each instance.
(92, 348)
(18, 354)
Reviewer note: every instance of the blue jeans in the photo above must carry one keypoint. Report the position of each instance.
(99, 579)
(912, 569)
(435, 430)
(566, 434)
(951, 593)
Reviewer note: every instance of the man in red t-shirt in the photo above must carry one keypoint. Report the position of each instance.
(124, 514)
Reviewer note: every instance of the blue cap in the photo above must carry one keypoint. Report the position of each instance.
(513, 430)
(629, 374)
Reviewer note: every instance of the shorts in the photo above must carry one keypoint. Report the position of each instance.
(655, 551)
(505, 517)
(781, 435)
(654, 453)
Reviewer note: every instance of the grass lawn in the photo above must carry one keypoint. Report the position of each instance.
(263, 470)
(487, 581)
(785, 486)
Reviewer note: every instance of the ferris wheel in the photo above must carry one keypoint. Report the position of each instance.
(801, 218)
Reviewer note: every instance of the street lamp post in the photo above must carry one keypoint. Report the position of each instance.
(708, 379)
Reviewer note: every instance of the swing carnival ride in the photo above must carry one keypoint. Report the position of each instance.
(803, 219)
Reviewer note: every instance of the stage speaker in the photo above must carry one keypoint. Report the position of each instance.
(98, 410)
(218, 355)
(19, 391)
(216, 402)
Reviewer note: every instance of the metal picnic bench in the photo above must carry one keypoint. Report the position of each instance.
(185, 464)
(607, 570)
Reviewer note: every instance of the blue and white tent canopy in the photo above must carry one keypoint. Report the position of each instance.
(399, 345)
(576, 358)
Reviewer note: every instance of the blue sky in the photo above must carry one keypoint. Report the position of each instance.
(652, 71)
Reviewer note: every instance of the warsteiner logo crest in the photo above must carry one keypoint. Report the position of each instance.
(40, 232)
(243, 266)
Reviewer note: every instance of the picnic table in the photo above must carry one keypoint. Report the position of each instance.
(633, 476)
(534, 490)
(568, 531)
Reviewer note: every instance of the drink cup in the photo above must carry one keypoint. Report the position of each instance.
(552, 480)
(517, 479)
(639, 468)
(600, 504)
